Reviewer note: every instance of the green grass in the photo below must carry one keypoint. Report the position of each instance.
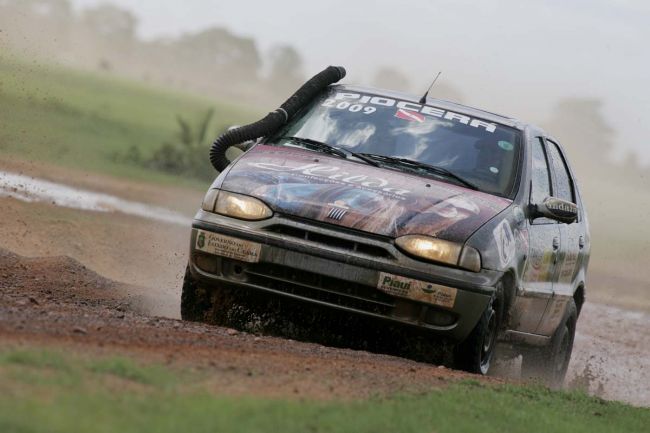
(49, 391)
(80, 120)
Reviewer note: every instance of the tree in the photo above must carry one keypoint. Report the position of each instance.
(37, 26)
(221, 54)
(108, 36)
(286, 69)
(111, 23)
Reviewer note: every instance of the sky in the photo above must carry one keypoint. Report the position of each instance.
(514, 57)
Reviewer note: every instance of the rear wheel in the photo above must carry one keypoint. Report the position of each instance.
(550, 363)
(476, 352)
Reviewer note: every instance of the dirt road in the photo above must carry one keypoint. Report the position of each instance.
(58, 301)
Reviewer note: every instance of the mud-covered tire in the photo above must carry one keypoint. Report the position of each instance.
(475, 354)
(214, 305)
(549, 364)
(195, 301)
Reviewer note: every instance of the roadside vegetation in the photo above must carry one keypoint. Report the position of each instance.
(78, 393)
(92, 122)
(185, 154)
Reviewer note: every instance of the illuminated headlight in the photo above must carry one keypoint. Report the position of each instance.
(440, 251)
(235, 205)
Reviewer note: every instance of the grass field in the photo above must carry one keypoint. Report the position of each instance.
(56, 392)
(81, 120)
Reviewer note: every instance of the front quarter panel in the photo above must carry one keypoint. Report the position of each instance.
(503, 245)
(503, 241)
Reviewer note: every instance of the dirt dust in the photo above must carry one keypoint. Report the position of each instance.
(58, 301)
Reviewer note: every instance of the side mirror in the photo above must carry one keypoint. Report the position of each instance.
(556, 209)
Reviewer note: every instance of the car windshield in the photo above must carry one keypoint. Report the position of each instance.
(482, 153)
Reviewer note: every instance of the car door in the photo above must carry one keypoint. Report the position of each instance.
(543, 244)
(570, 255)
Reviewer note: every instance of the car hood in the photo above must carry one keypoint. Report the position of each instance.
(316, 186)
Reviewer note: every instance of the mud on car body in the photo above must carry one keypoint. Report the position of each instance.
(427, 214)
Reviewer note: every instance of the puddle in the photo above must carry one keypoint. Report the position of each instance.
(30, 189)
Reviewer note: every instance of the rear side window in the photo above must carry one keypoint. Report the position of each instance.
(563, 185)
(540, 176)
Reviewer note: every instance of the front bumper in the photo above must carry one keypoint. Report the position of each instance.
(340, 268)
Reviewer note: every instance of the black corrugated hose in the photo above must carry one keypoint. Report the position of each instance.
(275, 119)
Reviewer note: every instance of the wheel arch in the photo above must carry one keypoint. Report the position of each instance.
(508, 284)
(579, 297)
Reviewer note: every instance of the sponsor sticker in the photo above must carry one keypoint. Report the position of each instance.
(505, 242)
(366, 104)
(506, 145)
(226, 246)
(417, 290)
(411, 116)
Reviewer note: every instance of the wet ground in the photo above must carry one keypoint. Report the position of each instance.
(58, 301)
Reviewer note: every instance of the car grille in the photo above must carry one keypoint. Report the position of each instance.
(322, 288)
(331, 241)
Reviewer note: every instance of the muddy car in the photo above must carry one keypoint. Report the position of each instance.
(419, 212)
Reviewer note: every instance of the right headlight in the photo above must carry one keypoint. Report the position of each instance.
(235, 205)
(440, 251)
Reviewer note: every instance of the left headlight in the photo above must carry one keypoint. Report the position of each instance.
(440, 251)
(235, 205)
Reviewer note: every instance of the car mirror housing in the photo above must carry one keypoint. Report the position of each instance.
(556, 209)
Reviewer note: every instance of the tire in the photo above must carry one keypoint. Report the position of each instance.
(475, 354)
(195, 302)
(549, 365)
(213, 305)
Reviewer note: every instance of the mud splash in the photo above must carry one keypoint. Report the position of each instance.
(611, 356)
(31, 189)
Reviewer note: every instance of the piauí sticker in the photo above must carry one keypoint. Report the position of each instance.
(422, 291)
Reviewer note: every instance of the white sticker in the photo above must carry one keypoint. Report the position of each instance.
(348, 99)
(505, 242)
(417, 290)
(226, 246)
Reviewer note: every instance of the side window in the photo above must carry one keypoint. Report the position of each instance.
(540, 176)
(563, 186)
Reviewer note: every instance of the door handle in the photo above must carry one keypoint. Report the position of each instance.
(556, 243)
(581, 242)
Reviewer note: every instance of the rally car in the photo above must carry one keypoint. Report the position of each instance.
(419, 212)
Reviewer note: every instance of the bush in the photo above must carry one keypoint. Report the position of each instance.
(185, 155)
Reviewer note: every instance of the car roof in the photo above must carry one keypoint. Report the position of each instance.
(441, 103)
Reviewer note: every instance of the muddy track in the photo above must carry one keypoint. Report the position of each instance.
(59, 302)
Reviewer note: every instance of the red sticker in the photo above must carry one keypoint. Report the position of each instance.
(409, 115)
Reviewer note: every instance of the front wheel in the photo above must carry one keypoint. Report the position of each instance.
(550, 364)
(475, 353)
(194, 299)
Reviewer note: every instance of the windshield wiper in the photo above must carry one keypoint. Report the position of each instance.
(421, 165)
(332, 150)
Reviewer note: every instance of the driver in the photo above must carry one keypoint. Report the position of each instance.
(492, 156)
